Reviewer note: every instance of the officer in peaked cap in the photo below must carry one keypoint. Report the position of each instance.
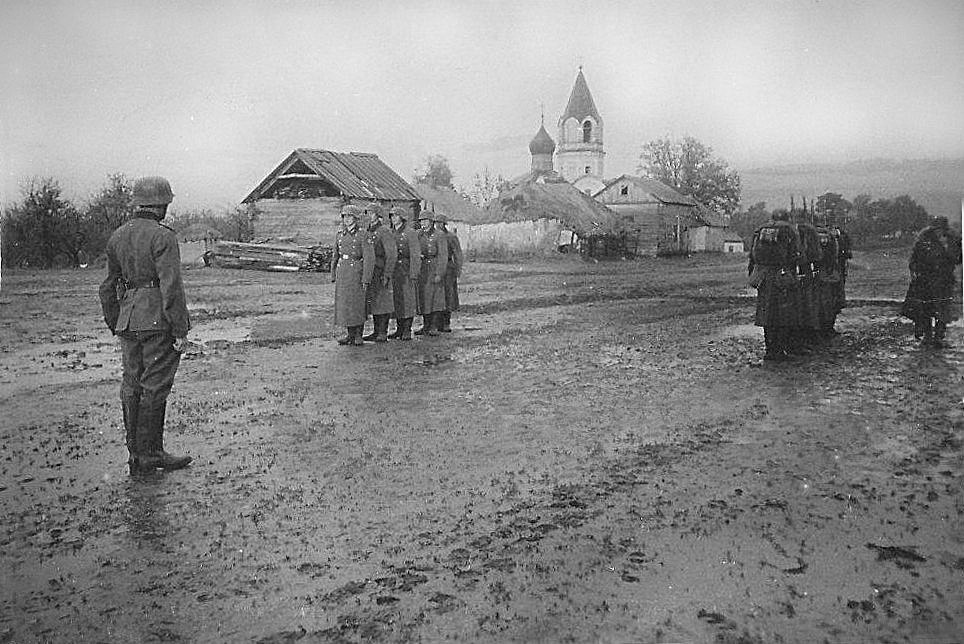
(352, 266)
(143, 303)
(407, 268)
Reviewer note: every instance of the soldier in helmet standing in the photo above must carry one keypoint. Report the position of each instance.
(431, 285)
(352, 267)
(380, 303)
(407, 268)
(452, 273)
(143, 302)
(774, 253)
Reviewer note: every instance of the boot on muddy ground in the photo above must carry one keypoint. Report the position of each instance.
(129, 406)
(405, 330)
(940, 331)
(426, 324)
(347, 339)
(355, 336)
(374, 334)
(445, 324)
(150, 441)
(381, 328)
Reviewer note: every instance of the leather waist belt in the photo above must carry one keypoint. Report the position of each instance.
(151, 284)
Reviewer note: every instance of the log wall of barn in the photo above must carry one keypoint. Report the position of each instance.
(307, 222)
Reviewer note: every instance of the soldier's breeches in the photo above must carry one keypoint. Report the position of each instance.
(150, 364)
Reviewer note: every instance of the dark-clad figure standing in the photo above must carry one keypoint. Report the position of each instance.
(431, 280)
(774, 254)
(828, 281)
(380, 302)
(929, 301)
(452, 273)
(143, 302)
(407, 268)
(352, 267)
(808, 285)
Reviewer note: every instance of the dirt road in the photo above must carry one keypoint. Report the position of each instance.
(596, 454)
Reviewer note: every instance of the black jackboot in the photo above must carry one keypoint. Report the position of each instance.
(130, 408)
(445, 325)
(151, 454)
(355, 335)
(381, 328)
(426, 324)
(405, 330)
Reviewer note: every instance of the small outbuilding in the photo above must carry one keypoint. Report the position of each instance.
(300, 201)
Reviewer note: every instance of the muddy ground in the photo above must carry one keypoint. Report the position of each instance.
(596, 454)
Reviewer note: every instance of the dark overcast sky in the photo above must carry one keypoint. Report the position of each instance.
(214, 94)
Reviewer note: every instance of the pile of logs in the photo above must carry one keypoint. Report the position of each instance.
(270, 257)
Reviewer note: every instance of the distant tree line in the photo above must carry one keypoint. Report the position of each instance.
(869, 222)
(46, 230)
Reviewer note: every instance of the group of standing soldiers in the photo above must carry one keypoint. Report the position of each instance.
(399, 272)
(800, 273)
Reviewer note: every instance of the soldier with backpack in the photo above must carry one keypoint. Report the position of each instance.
(929, 301)
(774, 253)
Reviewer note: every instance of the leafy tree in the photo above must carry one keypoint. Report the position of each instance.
(436, 173)
(689, 167)
(44, 229)
(484, 188)
(106, 210)
(832, 207)
(745, 222)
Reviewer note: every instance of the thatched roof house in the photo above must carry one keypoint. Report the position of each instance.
(448, 202)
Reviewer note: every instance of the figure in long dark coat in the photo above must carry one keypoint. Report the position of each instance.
(930, 296)
(407, 268)
(774, 253)
(431, 280)
(352, 266)
(380, 303)
(452, 273)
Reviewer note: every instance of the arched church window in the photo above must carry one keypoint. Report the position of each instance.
(587, 131)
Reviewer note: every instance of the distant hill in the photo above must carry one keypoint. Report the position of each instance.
(937, 185)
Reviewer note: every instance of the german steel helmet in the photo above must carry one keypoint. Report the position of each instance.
(398, 211)
(440, 218)
(152, 191)
(425, 215)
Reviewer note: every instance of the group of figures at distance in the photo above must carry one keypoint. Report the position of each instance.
(399, 272)
(800, 273)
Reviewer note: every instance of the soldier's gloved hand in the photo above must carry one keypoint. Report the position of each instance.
(180, 344)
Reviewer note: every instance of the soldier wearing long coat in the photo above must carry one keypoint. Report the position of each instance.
(452, 273)
(407, 269)
(828, 280)
(352, 267)
(930, 297)
(774, 254)
(381, 303)
(431, 281)
(143, 303)
(808, 296)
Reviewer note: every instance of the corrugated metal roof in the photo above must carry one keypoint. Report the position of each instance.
(355, 174)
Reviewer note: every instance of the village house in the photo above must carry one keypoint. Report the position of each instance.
(300, 201)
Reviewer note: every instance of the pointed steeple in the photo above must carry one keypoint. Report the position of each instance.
(580, 103)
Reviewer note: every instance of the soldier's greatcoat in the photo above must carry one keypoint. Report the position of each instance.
(435, 257)
(353, 264)
(931, 290)
(776, 284)
(808, 289)
(453, 272)
(407, 269)
(380, 300)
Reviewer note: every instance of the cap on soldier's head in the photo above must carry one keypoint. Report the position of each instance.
(425, 215)
(374, 209)
(398, 211)
(152, 191)
(351, 211)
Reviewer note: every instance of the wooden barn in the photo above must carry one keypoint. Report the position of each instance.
(657, 218)
(300, 201)
(542, 213)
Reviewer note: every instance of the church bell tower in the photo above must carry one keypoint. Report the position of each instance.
(579, 155)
